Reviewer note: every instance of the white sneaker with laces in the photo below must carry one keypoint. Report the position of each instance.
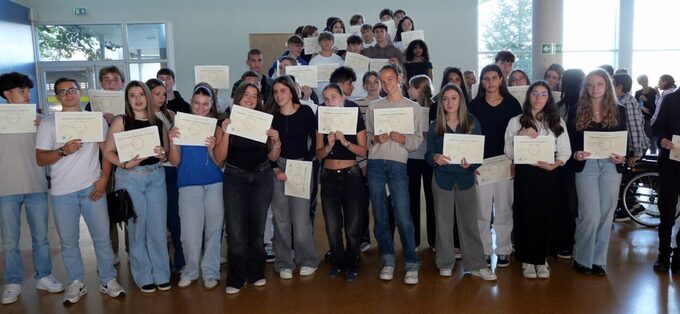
(543, 271)
(260, 283)
(11, 293)
(184, 282)
(286, 273)
(232, 290)
(112, 289)
(529, 271)
(387, 273)
(49, 283)
(307, 270)
(411, 277)
(209, 283)
(74, 291)
(445, 272)
(484, 273)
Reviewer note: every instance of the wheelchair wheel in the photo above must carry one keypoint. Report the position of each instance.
(640, 197)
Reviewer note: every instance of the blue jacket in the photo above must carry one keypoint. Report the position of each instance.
(448, 176)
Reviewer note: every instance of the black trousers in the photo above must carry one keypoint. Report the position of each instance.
(669, 172)
(417, 169)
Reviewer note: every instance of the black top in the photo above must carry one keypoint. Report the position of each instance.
(245, 153)
(576, 136)
(649, 104)
(417, 68)
(295, 131)
(433, 111)
(667, 123)
(179, 104)
(134, 124)
(340, 152)
(494, 121)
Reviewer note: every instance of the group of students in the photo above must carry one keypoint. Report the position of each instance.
(231, 183)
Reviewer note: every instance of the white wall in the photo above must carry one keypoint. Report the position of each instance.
(216, 31)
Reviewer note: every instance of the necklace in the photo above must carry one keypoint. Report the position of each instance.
(142, 119)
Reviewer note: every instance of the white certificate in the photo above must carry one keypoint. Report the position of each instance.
(107, 101)
(675, 152)
(215, 75)
(408, 37)
(393, 119)
(299, 176)
(377, 64)
(391, 28)
(311, 45)
(341, 119)
(468, 146)
(355, 29)
(519, 92)
(359, 63)
(17, 118)
(601, 145)
(424, 118)
(86, 126)
(494, 169)
(557, 96)
(193, 129)
(249, 123)
(305, 75)
(137, 142)
(324, 71)
(529, 150)
(340, 40)
(474, 89)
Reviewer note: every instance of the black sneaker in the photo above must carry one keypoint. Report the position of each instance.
(488, 260)
(580, 268)
(327, 256)
(164, 286)
(335, 272)
(564, 254)
(598, 270)
(621, 215)
(269, 251)
(150, 288)
(351, 276)
(503, 261)
(662, 265)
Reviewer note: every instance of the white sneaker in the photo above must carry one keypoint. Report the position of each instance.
(210, 283)
(260, 283)
(307, 270)
(184, 282)
(74, 291)
(11, 293)
(543, 271)
(387, 273)
(50, 284)
(529, 270)
(112, 289)
(411, 277)
(484, 273)
(232, 290)
(445, 272)
(286, 273)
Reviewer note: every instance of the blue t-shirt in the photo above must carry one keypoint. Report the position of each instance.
(196, 167)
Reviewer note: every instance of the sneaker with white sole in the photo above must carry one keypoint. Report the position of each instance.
(445, 272)
(365, 246)
(484, 273)
(232, 290)
(184, 282)
(269, 253)
(286, 273)
(307, 270)
(529, 271)
(74, 291)
(457, 253)
(112, 289)
(260, 282)
(411, 277)
(11, 293)
(50, 284)
(503, 261)
(210, 283)
(543, 271)
(387, 273)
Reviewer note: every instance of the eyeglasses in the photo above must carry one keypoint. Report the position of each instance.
(70, 91)
(542, 94)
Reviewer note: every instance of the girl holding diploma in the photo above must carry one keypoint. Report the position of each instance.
(597, 180)
(201, 208)
(247, 194)
(536, 186)
(342, 189)
(296, 125)
(454, 185)
(145, 181)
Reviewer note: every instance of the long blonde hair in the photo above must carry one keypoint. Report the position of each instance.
(424, 84)
(465, 119)
(610, 111)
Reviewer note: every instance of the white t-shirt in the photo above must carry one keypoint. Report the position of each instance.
(76, 171)
(319, 59)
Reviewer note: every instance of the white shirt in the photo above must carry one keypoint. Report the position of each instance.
(562, 144)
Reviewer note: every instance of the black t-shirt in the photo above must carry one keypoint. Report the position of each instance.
(295, 131)
(494, 121)
(179, 104)
(417, 68)
(650, 104)
(245, 153)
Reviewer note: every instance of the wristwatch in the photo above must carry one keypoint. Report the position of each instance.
(61, 151)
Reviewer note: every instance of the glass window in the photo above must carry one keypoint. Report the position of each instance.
(146, 41)
(145, 71)
(590, 35)
(80, 42)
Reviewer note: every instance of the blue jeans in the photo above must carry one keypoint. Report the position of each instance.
(597, 187)
(392, 173)
(148, 234)
(67, 211)
(10, 230)
(201, 212)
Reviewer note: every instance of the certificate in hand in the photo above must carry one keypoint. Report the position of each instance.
(391, 28)
(299, 175)
(17, 118)
(305, 75)
(215, 75)
(675, 152)
(529, 150)
(377, 64)
(107, 101)
(494, 169)
(324, 71)
(601, 145)
(394, 119)
(468, 146)
(408, 37)
(311, 45)
(340, 40)
(86, 126)
(341, 119)
(137, 142)
(249, 123)
(359, 63)
(194, 129)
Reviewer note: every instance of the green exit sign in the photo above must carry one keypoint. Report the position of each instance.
(551, 48)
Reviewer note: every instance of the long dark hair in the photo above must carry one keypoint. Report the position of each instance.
(445, 80)
(272, 106)
(153, 83)
(409, 54)
(572, 82)
(400, 27)
(549, 116)
(503, 89)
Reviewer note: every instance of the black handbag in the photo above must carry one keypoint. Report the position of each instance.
(120, 207)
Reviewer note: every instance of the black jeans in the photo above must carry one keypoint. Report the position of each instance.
(417, 168)
(247, 195)
(669, 171)
(342, 199)
(172, 192)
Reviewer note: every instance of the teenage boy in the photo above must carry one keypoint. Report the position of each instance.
(295, 47)
(383, 48)
(175, 101)
(254, 62)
